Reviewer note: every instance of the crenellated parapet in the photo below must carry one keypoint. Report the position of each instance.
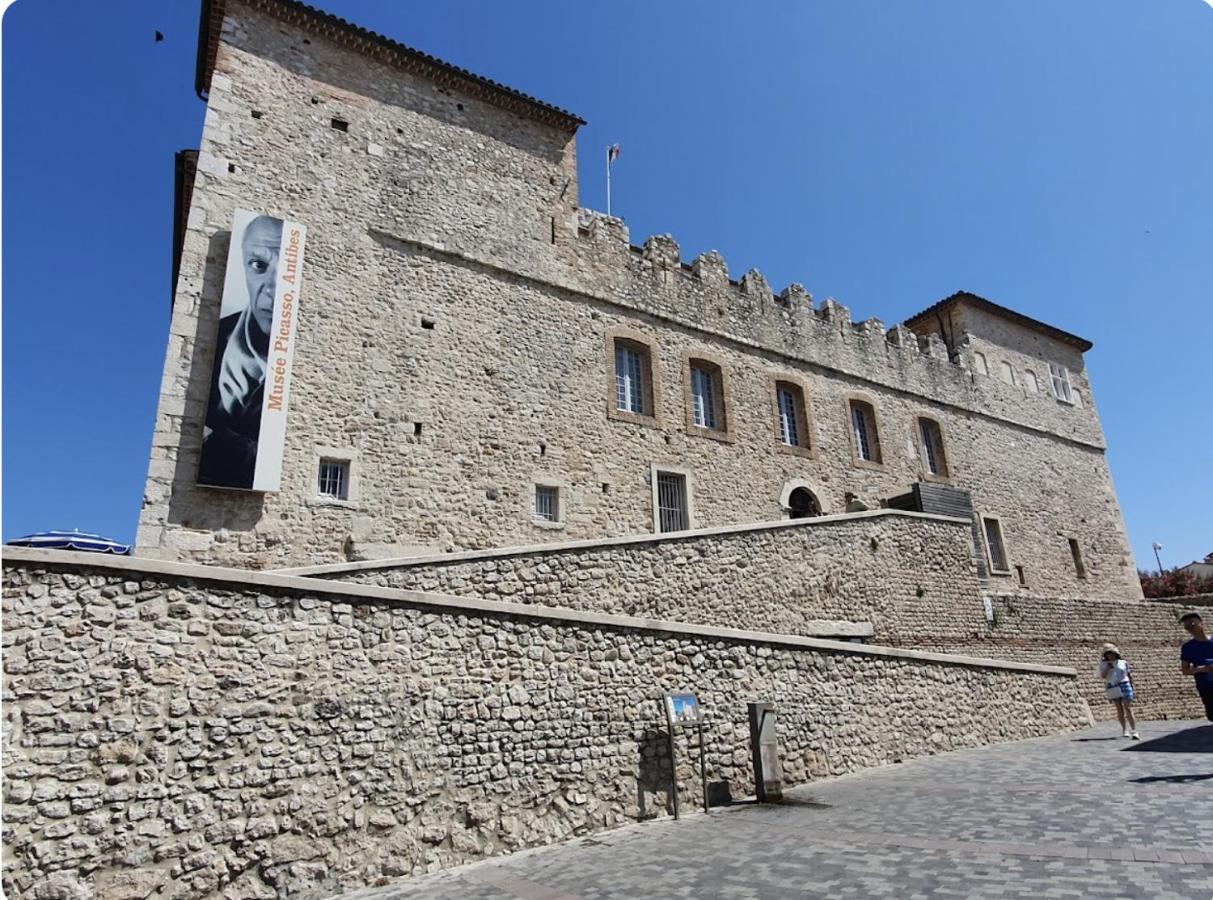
(653, 278)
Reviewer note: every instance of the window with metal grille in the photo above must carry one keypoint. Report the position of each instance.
(1060, 376)
(672, 502)
(932, 447)
(863, 427)
(791, 415)
(997, 550)
(1075, 551)
(631, 379)
(334, 479)
(547, 503)
(705, 394)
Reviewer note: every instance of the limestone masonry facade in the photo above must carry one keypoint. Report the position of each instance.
(189, 732)
(494, 365)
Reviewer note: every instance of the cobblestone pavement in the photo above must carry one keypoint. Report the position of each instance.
(1077, 815)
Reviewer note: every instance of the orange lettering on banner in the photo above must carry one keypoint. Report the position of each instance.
(286, 321)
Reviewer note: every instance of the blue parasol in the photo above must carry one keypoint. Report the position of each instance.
(71, 540)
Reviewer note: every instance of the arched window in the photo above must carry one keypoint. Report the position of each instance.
(864, 436)
(802, 504)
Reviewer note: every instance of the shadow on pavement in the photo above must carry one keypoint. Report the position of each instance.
(1173, 779)
(1190, 740)
(1084, 740)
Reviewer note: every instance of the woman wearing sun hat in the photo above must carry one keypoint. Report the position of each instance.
(1118, 687)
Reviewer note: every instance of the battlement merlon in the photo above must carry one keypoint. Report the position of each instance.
(932, 354)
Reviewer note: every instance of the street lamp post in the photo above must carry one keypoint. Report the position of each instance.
(1157, 547)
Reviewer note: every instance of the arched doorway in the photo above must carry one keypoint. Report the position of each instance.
(802, 504)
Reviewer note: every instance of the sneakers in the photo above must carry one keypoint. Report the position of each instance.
(1127, 733)
(1135, 736)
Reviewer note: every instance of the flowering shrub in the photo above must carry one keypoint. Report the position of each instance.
(1173, 583)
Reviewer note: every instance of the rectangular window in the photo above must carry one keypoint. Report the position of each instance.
(630, 391)
(704, 395)
(334, 480)
(1076, 553)
(547, 503)
(995, 546)
(672, 502)
(791, 414)
(863, 428)
(932, 447)
(1023, 578)
(1061, 382)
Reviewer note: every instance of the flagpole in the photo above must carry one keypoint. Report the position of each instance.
(608, 165)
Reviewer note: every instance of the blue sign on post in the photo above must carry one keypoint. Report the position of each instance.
(684, 709)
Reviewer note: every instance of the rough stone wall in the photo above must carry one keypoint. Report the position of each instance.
(1069, 631)
(906, 575)
(195, 738)
(467, 218)
(788, 579)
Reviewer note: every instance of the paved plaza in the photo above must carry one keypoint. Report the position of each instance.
(1077, 815)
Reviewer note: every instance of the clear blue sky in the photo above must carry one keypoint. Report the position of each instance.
(1053, 157)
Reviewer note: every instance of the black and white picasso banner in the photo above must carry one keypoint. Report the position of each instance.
(251, 379)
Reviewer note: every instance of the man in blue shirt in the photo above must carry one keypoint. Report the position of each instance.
(1196, 658)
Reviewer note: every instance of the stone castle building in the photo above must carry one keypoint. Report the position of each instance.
(480, 362)
(532, 479)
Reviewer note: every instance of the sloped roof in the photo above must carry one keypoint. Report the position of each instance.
(378, 47)
(989, 306)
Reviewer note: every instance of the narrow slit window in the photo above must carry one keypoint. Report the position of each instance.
(933, 455)
(672, 502)
(995, 546)
(863, 429)
(334, 479)
(1076, 552)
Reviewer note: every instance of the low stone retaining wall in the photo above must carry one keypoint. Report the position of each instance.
(187, 731)
(1069, 632)
(904, 574)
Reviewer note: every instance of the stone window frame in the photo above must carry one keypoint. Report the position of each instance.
(981, 364)
(1032, 383)
(689, 497)
(856, 460)
(1006, 373)
(985, 542)
(920, 449)
(792, 484)
(649, 346)
(562, 491)
(724, 403)
(808, 423)
(335, 454)
(1060, 374)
